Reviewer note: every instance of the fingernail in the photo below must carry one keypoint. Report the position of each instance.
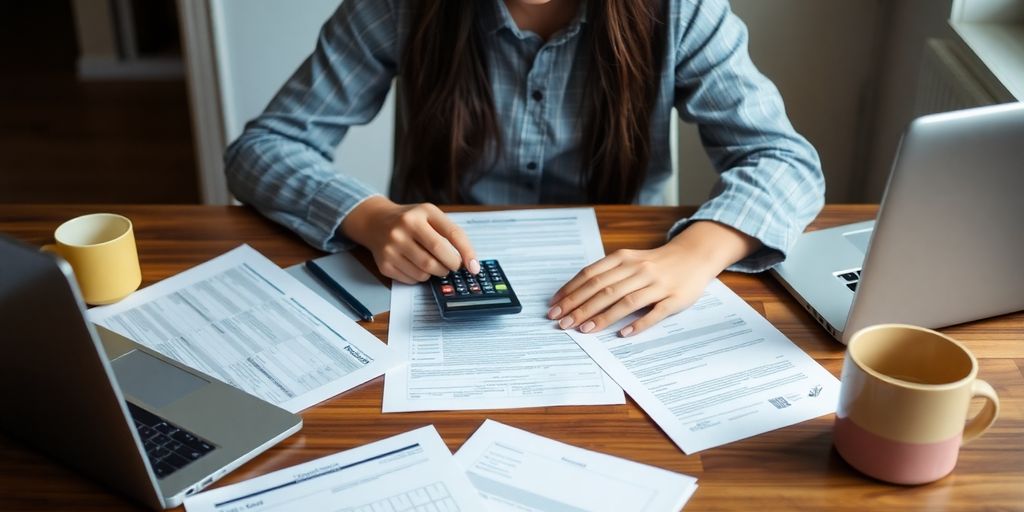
(474, 266)
(565, 323)
(554, 312)
(626, 331)
(587, 327)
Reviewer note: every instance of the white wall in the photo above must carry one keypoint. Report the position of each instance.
(909, 23)
(260, 44)
(822, 56)
(239, 53)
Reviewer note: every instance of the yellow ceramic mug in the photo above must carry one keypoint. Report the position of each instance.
(904, 401)
(101, 249)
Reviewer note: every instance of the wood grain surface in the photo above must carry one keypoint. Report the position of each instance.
(794, 468)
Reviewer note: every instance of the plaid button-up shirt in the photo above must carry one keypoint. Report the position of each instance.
(770, 183)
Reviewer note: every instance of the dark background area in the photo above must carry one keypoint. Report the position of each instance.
(67, 141)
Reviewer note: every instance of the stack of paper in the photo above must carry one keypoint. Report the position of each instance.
(243, 320)
(407, 472)
(715, 373)
(499, 468)
(515, 470)
(520, 360)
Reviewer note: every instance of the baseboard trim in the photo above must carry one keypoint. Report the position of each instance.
(92, 68)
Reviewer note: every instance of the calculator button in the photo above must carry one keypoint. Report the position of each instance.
(500, 287)
(447, 289)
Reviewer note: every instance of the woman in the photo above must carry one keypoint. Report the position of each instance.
(537, 101)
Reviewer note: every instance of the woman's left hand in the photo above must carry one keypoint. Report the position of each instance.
(668, 279)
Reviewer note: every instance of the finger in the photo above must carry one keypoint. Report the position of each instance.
(659, 312)
(407, 267)
(602, 284)
(457, 237)
(391, 271)
(604, 298)
(626, 306)
(424, 260)
(589, 272)
(439, 248)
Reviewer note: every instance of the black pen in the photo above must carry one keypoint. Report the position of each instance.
(343, 294)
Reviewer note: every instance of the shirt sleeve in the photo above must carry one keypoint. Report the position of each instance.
(770, 183)
(282, 164)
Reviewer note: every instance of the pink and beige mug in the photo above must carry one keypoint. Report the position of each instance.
(905, 396)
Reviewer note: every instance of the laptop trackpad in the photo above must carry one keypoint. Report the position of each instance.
(859, 239)
(153, 381)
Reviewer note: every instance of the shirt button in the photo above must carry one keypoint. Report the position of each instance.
(532, 166)
(537, 95)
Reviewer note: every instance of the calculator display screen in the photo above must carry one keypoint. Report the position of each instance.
(480, 302)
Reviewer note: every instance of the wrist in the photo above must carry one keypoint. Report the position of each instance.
(359, 222)
(710, 247)
(693, 256)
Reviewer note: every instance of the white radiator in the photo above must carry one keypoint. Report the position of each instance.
(946, 82)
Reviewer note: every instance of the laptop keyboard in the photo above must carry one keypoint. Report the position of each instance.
(168, 447)
(850, 278)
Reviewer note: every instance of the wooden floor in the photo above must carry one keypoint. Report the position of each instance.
(63, 141)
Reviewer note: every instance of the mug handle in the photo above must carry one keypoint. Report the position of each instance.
(51, 248)
(980, 423)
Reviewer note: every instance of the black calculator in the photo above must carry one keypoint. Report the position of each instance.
(463, 295)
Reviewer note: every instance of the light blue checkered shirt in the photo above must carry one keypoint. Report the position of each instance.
(770, 185)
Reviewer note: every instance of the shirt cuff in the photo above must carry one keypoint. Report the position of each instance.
(329, 207)
(775, 236)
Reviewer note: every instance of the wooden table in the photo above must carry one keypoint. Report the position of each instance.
(791, 468)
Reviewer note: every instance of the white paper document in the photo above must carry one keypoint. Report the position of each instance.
(409, 472)
(515, 470)
(521, 360)
(715, 373)
(243, 320)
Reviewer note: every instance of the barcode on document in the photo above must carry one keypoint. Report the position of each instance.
(779, 402)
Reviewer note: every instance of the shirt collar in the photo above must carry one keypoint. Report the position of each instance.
(496, 17)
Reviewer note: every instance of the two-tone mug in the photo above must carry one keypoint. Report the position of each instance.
(905, 396)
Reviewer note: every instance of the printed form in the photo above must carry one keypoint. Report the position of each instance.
(408, 472)
(517, 471)
(243, 320)
(505, 361)
(715, 373)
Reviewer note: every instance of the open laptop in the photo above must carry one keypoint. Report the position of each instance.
(948, 244)
(128, 417)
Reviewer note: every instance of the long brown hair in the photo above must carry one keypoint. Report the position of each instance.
(449, 121)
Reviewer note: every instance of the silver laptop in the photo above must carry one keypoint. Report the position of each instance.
(139, 423)
(947, 246)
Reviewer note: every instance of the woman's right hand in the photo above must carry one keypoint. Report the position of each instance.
(409, 242)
